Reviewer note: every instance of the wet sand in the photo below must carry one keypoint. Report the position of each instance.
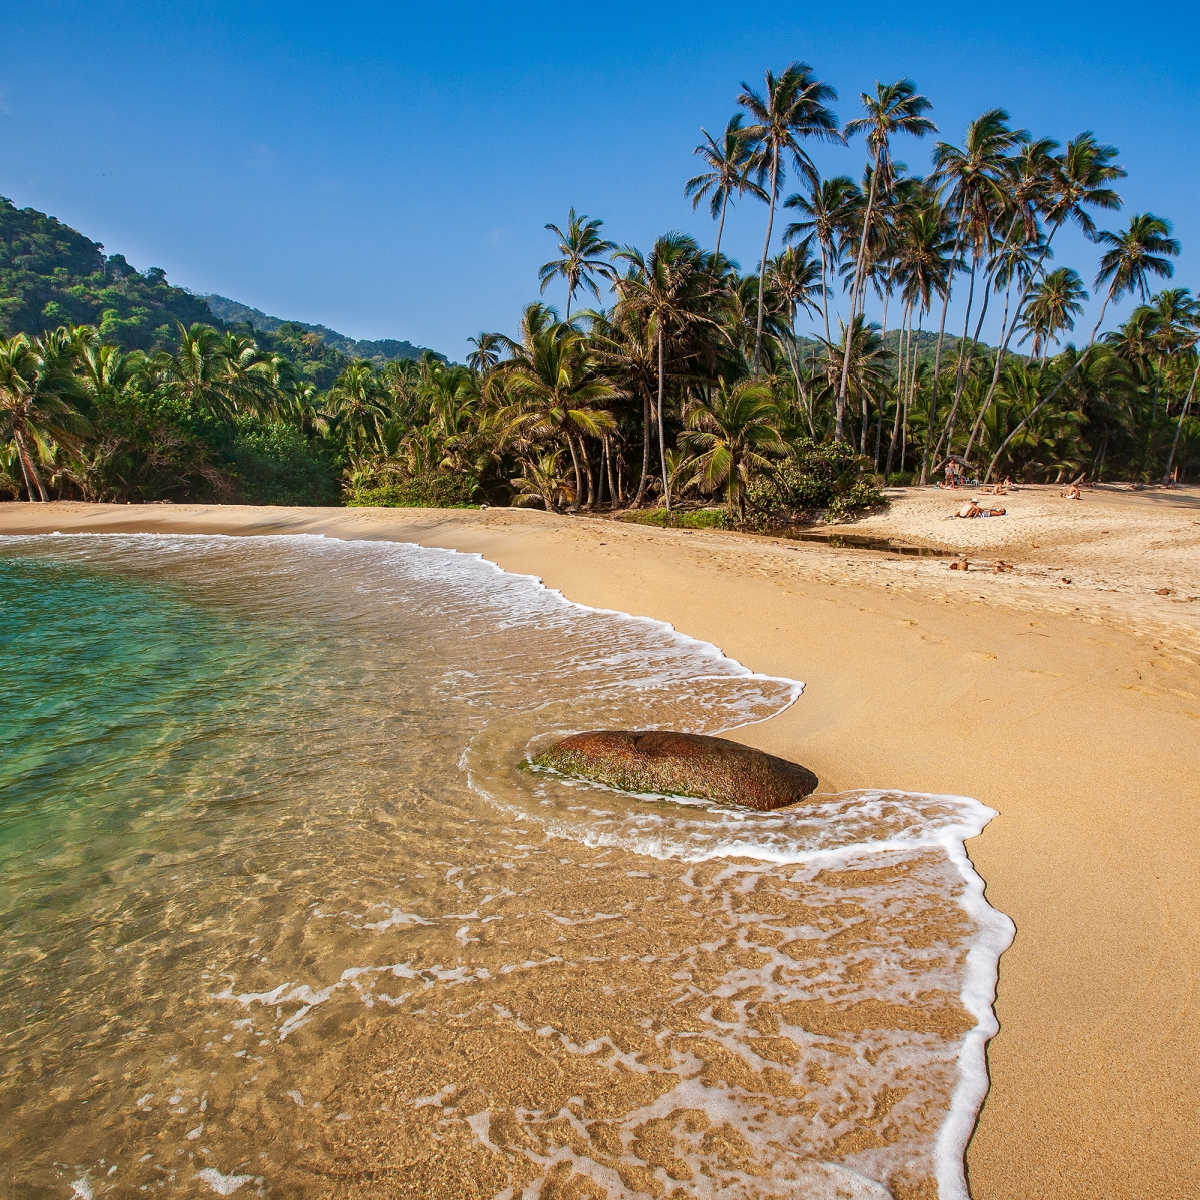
(1071, 708)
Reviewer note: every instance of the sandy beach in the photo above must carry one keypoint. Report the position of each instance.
(1063, 692)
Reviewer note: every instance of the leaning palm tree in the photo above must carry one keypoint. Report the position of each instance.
(1143, 250)
(895, 108)
(792, 108)
(730, 163)
(583, 258)
(1052, 309)
(733, 436)
(673, 292)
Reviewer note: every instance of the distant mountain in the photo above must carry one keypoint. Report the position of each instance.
(384, 350)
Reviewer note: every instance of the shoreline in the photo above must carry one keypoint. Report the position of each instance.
(1071, 709)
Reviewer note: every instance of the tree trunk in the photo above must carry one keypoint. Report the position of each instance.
(855, 291)
(762, 270)
(578, 473)
(901, 364)
(937, 357)
(996, 368)
(721, 226)
(662, 447)
(28, 469)
(647, 425)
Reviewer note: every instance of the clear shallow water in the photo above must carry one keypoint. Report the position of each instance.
(282, 915)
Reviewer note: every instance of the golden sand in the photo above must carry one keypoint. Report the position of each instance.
(1073, 708)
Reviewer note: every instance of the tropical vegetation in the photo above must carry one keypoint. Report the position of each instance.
(798, 388)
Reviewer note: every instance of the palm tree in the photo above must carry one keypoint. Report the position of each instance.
(829, 209)
(583, 253)
(791, 108)
(793, 276)
(733, 435)
(359, 406)
(540, 482)
(199, 370)
(974, 177)
(730, 163)
(1052, 309)
(36, 387)
(1143, 250)
(895, 108)
(1064, 187)
(553, 388)
(486, 353)
(672, 291)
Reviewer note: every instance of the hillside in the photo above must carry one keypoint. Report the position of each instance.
(384, 350)
(51, 274)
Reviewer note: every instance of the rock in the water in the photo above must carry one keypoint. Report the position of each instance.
(681, 764)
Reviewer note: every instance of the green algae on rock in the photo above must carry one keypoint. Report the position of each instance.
(681, 764)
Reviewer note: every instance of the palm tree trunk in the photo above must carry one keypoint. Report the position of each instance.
(844, 380)
(32, 478)
(644, 482)
(721, 226)
(578, 473)
(901, 363)
(937, 356)
(662, 447)
(824, 287)
(1187, 400)
(995, 375)
(762, 269)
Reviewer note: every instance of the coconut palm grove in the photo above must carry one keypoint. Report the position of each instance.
(675, 381)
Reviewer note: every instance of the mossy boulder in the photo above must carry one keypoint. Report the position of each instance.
(681, 764)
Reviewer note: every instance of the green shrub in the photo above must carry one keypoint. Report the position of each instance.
(421, 491)
(700, 518)
(828, 478)
(275, 463)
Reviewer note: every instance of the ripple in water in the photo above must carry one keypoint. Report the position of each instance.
(285, 918)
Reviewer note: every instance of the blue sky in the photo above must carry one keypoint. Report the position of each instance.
(387, 169)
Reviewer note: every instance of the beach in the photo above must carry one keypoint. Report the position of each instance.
(1063, 693)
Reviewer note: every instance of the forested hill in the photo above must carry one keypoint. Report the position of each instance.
(51, 275)
(384, 350)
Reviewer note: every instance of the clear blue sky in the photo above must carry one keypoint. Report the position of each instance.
(387, 169)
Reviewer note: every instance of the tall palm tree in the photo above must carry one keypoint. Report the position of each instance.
(1143, 250)
(792, 108)
(733, 435)
(199, 370)
(895, 108)
(1052, 309)
(730, 165)
(584, 257)
(973, 178)
(554, 391)
(486, 353)
(829, 211)
(793, 280)
(359, 406)
(673, 291)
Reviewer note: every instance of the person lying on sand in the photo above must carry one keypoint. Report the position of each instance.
(971, 509)
(1000, 489)
(1071, 493)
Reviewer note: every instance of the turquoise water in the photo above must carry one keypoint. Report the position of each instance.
(283, 916)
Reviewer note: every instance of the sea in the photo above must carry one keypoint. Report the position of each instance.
(285, 911)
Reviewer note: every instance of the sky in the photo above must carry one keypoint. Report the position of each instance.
(388, 169)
